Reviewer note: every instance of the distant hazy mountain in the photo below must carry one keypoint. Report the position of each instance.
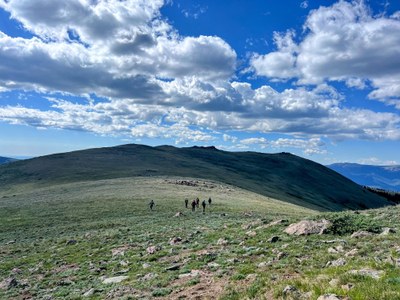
(4, 160)
(282, 176)
(383, 177)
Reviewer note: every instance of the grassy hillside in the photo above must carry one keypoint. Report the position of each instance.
(63, 241)
(282, 176)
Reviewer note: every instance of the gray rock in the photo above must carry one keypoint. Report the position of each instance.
(9, 283)
(71, 242)
(336, 249)
(175, 240)
(336, 263)
(368, 272)
(387, 230)
(307, 227)
(222, 242)
(328, 297)
(146, 266)
(149, 276)
(153, 249)
(347, 287)
(352, 253)
(116, 279)
(251, 233)
(89, 293)
(361, 234)
(281, 255)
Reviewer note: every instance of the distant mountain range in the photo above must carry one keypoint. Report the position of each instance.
(4, 160)
(281, 176)
(383, 177)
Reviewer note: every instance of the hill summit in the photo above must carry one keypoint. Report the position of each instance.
(282, 176)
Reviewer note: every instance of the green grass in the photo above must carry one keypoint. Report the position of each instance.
(107, 216)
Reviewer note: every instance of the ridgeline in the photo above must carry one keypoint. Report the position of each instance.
(282, 176)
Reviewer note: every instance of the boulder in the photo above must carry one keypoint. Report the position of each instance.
(307, 227)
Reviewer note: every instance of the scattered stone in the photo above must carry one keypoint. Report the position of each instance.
(291, 291)
(264, 264)
(124, 263)
(146, 266)
(360, 234)
(336, 263)
(153, 249)
(352, 253)
(335, 241)
(11, 242)
(347, 287)
(89, 293)
(222, 242)
(251, 233)
(252, 224)
(178, 214)
(251, 277)
(274, 239)
(281, 255)
(116, 279)
(123, 271)
(307, 227)
(8, 283)
(334, 282)
(175, 240)
(336, 249)
(368, 272)
(387, 230)
(328, 297)
(233, 260)
(173, 267)
(16, 271)
(118, 251)
(71, 242)
(149, 276)
(213, 265)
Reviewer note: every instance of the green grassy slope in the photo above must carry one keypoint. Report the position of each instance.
(282, 176)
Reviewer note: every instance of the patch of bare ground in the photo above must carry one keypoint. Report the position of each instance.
(206, 286)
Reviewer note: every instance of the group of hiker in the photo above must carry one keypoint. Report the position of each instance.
(195, 204)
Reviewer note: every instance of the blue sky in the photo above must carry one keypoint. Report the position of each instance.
(320, 79)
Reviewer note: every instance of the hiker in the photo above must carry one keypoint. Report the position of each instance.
(193, 205)
(198, 202)
(151, 204)
(203, 203)
(186, 202)
(209, 201)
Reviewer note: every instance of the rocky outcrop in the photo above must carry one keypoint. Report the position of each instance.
(307, 227)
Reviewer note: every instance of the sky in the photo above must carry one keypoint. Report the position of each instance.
(320, 79)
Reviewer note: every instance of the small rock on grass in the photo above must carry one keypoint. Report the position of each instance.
(387, 230)
(351, 253)
(8, 283)
(116, 279)
(368, 272)
(71, 242)
(153, 249)
(274, 239)
(336, 263)
(89, 293)
(328, 297)
(361, 234)
(175, 240)
(222, 242)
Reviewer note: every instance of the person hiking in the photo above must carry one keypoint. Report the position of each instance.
(197, 202)
(209, 201)
(203, 203)
(151, 204)
(193, 205)
(186, 202)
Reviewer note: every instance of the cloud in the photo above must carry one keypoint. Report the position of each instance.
(116, 49)
(309, 147)
(343, 42)
(377, 162)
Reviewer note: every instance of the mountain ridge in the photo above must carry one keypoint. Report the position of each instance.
(382, 177)
(281, 175)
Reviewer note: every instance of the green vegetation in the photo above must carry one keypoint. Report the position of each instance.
(61, 241)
